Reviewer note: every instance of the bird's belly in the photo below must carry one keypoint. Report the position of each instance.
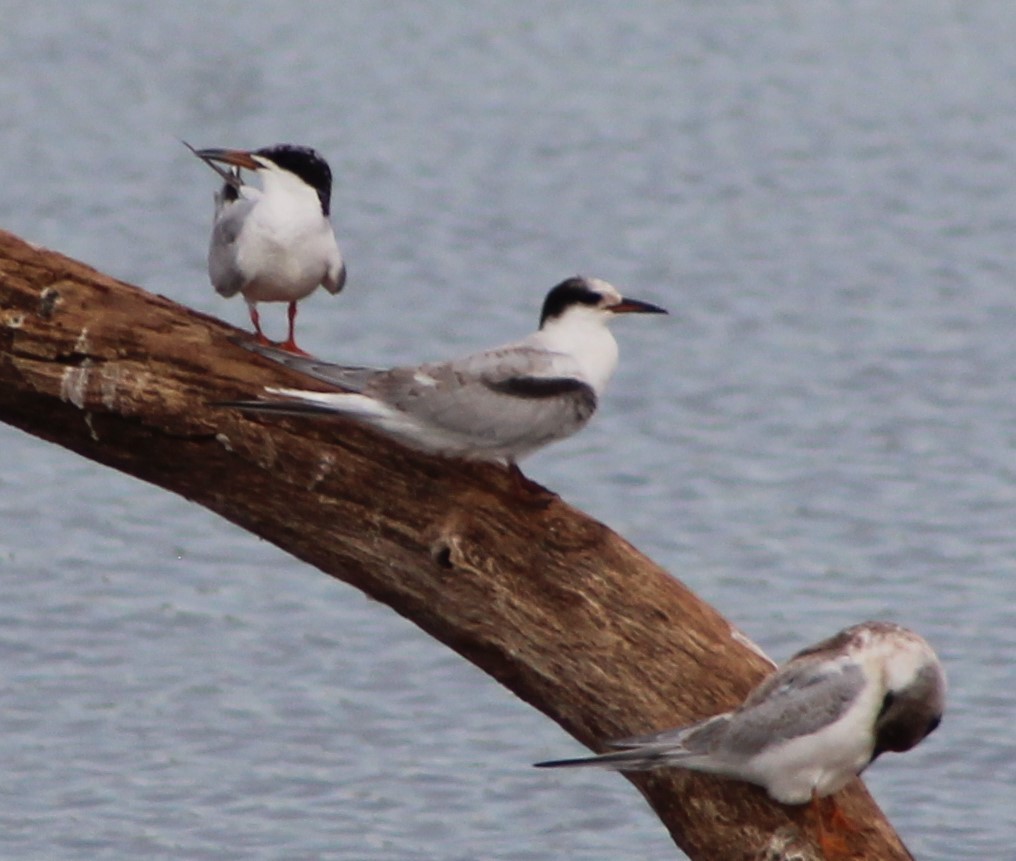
(281, 277)
(278, 268)
(280, 286)
(792, 772)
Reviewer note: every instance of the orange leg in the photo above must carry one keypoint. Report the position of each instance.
(290, 343)
(256, 320)
(528, 490)
(829, 819)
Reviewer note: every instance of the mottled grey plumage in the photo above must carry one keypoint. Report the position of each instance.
(813, 724)
(500, 404)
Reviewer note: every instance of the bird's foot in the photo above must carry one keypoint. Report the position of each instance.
(289, 345)
(529, 491)
(830, 820)
(833, 845)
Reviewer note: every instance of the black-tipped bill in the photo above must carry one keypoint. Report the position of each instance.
(635, 306)
(236, 157)
(230, 177)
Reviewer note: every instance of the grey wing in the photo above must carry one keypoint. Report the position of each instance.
(795, 701)
(335, 277)
(222, 266)
(506, 398)
(350, 377)
(690, 746)
(696, 739)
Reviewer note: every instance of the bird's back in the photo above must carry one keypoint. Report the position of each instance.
(500, 404)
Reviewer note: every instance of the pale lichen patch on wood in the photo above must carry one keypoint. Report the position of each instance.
(81, 344)
(90, 424)
(266, 455)
(787, 844)
(321, 471)
(120, 384)
(74, 384)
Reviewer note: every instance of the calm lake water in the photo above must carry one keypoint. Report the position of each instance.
(822, 432)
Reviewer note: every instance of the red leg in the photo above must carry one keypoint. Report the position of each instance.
(256, 320)
(829, 819)
(836, 818)
(529, 490)
(290, 342)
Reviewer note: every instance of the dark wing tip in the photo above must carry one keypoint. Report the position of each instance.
(340, 280)
(237, 405)
(287, 408)
(564, 763)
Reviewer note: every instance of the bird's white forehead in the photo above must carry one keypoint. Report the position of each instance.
(609, 292)
(902, 654)
(906, 661)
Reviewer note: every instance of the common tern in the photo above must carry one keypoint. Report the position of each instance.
(274, 244)
(497, 405)
(815, 723)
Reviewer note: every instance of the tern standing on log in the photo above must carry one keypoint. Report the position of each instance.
(811, 726)
(273, 244)
(498, 405)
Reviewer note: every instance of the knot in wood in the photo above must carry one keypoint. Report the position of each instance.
(48, 300)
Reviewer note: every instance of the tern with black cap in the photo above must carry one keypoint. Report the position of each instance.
(496, 405)
(276, 243)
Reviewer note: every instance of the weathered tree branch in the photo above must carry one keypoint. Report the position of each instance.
(555, 606)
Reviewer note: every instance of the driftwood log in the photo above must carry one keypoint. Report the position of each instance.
(552, 604)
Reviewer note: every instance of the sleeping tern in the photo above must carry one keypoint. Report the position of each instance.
(273, 244)
(497, 405)
(815, 723)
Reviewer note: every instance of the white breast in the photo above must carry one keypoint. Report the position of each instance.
(587, 349)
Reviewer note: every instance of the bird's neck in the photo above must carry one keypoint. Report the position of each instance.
(589, 343)
(288, 192)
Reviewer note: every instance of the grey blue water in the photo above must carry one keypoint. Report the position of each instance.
(824, 431)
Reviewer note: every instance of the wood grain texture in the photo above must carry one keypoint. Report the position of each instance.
(551, 603)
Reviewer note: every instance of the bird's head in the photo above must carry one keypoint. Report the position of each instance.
(590, 297)
(287, 162)
(914, 687)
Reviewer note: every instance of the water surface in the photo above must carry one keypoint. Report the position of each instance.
(822, 194)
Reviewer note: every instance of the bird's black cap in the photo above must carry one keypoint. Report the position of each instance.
(306, 163)
(571, 291)
(594, 293)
